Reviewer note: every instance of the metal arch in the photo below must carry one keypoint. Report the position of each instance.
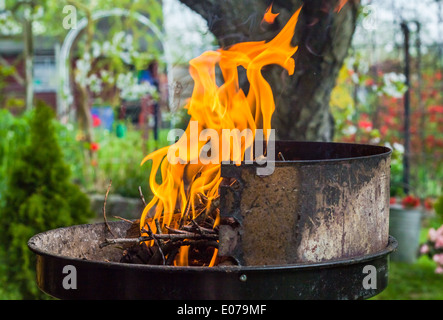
(65, 51)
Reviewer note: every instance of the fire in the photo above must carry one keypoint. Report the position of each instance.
(340, 5)
(269, 17)
(218, 107)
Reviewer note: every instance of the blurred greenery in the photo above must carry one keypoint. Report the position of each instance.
(39, 196)
(439, 206)
(416, 281)
(118, 159)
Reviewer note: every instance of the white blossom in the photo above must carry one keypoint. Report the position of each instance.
(96, 49)
(394, 84)
(130, 89)
(350, 130)
(94, 83)
(399, 147)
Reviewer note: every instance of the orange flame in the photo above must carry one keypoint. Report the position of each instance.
(217, 108)
(269, 17)
(340, 5)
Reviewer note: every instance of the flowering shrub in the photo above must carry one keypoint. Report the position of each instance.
(368, 107)
(428, 204)
(410, 202)
(121, 47)
(434, 248)
(94, 146)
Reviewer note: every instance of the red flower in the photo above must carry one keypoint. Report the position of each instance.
(94, 146)
(389, 120)
(435, 109)
(369, 82)
(364, 123)
(429, 205)
(410, 202)
(96, 121)
(392, 200)
(430, 141)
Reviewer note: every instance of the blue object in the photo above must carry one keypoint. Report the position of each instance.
(106, 116)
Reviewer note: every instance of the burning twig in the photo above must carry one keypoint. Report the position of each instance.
(175, 231)
(104, 209)
(201, 229)
(198, 234)
(156, 240)
(172, 237)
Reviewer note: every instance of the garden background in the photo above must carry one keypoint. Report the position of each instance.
(129, 91)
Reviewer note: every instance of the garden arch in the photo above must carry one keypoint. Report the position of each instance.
(64, 94)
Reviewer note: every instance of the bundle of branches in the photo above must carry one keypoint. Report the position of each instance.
(163, 246)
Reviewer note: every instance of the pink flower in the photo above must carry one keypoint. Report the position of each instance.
(424, 249)
(432, 234)
(439, 270)
(439, 242)
(438, 258)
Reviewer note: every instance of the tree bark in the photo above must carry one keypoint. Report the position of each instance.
(323, 36)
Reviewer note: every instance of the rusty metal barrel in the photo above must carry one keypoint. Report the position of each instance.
(325, 201)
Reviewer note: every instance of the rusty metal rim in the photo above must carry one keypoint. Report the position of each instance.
(338, 279)
(384, 152)
(392, 245)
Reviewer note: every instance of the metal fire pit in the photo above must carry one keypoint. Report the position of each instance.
(97, 278)
(323, 230)
(326, 201)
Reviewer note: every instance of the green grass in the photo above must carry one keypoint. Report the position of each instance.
(416, 281)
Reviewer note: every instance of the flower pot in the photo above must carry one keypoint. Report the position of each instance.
(405, 225)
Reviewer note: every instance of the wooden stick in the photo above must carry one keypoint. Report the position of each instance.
(123, 219)
(172, 237)
(123, 241)
(141, 195)
(197, 226)
(203, 229)
(177, 231)
(104, 208)
(280, 155)
(156, 241)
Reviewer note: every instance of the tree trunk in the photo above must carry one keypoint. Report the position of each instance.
(323, 36)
